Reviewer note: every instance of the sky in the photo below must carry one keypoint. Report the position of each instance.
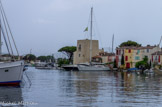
(44, 26)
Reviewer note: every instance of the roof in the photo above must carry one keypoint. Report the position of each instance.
(106, 54)
(148, 47)
(127, 47)
(136, 48)
(97, 56)
(157, 53)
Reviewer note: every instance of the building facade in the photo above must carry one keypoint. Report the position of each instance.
(157, 58)
(82, 54)
(119, 54)
(104, 57)
(137, 56)
(132, 54)
(128, 57)
(148, 50)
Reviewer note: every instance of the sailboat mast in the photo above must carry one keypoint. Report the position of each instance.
(91, 34)
(113, 43)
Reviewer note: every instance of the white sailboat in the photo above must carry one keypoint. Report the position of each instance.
(92, 66)
(11, 71)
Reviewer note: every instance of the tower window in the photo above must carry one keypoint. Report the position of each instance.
(79, 48)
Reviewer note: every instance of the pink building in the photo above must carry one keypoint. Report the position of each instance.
(104, 57)
(157, 58)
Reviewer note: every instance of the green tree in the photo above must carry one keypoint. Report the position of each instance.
(50, 58)
(143, 63)
(29, 57)
(62, 61)
(129, 43)
(150, 64)
(68, 51)
(42, 58)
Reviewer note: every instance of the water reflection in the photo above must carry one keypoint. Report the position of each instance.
(86, 89)
(115, 88)
(10, 95)
(139, 89)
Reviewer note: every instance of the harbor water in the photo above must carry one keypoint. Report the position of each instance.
(56, 88)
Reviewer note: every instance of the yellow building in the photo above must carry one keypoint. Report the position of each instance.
(137, 55)
(128, 57)
(133, 54)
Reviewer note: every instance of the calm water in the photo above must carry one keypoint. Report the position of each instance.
(54, 88)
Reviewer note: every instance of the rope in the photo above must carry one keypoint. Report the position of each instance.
(9, 28)
(97, 29)
(4, 37)
(30, 83)
(6, 31)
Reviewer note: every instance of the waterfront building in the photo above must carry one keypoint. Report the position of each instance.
(97, 58)
(128, 56)
(157, 58)
(137, 56)
(82, 54)
(119, 53)
(111, 57)
(104, 57)
(148, 50)
(132, 54)
(127, 53)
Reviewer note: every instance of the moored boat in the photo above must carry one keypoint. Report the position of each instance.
(70, 67)
(44, 65)
(11, 73)
(90, 66)
(157, 71)
(93, 67)
(11, 67)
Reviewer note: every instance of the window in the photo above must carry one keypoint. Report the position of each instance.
(6, 70)
(126, 58)
(129, 50)
(117, 52)
(156, 58)
(79, 55)
(138, 51)
(148, 50)
(137, 58)
(79, 48)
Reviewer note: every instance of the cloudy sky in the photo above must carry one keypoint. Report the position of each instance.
(47, 25)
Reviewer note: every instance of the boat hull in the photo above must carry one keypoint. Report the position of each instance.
(93, 68)
(11, 73)
(70, 67)
(158, 72)
(44, 67)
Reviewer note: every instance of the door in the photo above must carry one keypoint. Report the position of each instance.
(127, 65)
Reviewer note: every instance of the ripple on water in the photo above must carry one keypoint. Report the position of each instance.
(54, 88)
